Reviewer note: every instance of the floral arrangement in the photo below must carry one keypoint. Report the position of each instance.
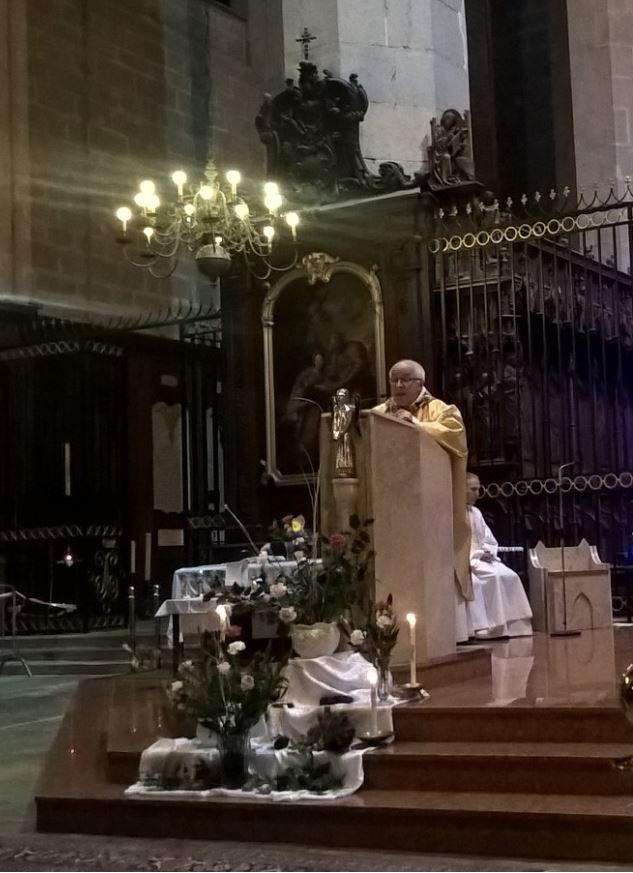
(327, 590)
(227, 691)
(375, 641)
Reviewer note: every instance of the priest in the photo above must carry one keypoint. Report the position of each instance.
(411, 401)
(500, 607)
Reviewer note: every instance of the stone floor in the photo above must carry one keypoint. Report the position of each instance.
(30, 712)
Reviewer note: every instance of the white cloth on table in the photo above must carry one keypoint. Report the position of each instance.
(181, 756)
(500, 606)
(196, 615)
(192, 581)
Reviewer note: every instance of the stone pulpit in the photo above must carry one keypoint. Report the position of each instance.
(403, 482)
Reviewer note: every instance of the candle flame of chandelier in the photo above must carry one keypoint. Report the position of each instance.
(211, 220)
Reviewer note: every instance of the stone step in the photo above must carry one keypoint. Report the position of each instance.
(68, 668)
(498, 824)
(550, 724)
(540, 768)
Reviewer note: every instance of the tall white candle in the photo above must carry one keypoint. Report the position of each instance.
(372, 678)
(411, 620)
(148, 556)
(222, 615)
(132, 556)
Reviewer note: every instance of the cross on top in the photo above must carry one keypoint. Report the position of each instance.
(305, 39)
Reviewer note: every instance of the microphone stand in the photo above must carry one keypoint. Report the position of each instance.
(565, 632)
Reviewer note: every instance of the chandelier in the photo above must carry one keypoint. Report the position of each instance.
(210, 219)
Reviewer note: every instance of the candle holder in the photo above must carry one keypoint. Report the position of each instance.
(410, 691)
(380, 739)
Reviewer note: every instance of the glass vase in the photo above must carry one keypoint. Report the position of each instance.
(234, 751)
(385, 679)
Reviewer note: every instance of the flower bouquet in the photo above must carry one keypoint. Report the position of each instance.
(228, 693)
(376, 640)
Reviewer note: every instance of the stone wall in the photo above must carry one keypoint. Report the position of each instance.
(410, 56)
(103, 94)
(601, 58)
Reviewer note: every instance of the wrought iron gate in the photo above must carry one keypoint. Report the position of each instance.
(536, 348)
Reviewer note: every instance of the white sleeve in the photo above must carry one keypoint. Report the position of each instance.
(490, 543)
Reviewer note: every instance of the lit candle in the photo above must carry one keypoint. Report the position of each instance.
(411, 619)
(132, 556)
(222, 615)
(148, 556)
(372, 678)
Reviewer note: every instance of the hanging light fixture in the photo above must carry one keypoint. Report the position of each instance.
(211, 220)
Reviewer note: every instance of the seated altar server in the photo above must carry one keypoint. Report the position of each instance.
(411, 401)
(500, 607)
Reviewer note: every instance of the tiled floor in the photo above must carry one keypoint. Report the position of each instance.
(31, 710)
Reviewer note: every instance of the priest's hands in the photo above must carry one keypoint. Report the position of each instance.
(404, 415)
(488, 557)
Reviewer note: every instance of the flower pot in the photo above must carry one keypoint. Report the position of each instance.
(315, 640)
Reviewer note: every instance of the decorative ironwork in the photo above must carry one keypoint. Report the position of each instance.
(57, 532)
(535, 345)
(311, 132)
(105, 578)
(534, 487)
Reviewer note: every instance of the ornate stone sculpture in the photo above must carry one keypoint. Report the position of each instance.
(450, 152)
(311, 134)
(345, 411)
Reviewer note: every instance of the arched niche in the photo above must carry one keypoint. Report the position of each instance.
(323, 329)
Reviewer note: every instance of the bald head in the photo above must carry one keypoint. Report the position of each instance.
(407, 380)
(473, 486)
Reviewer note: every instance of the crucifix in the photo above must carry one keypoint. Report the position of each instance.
(305, 39)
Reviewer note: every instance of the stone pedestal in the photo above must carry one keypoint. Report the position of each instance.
(405, 486)
(345, 493)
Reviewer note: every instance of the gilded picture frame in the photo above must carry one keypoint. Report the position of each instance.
(323, 328)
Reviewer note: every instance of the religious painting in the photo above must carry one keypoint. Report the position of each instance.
(323, 330)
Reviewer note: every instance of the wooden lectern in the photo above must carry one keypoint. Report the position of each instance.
(404, 483)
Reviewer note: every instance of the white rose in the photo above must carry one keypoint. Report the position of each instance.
(300, 555)
(236, 647)
(224, 667)
(176, 686)
(383, 621)
(288, 614)
(278, 589)
(357, 637)
(247, 682)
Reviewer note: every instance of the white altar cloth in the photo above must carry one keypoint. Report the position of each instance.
(264, 761)
(194, 581)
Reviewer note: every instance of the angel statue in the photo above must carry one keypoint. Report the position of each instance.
(345, 413)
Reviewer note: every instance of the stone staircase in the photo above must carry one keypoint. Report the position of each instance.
(97, 653)
(511, 781)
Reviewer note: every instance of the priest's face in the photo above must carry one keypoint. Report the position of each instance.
(472, 490)
(406, 384)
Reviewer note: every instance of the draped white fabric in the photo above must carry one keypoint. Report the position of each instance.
(179, 758)
(309, 680)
